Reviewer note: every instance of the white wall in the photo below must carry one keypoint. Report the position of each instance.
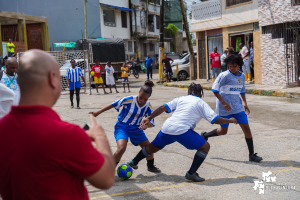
(118, 31)
(231, 16)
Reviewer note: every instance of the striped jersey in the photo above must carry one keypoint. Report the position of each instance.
(230, 86)
(131, 113)
(74, 74)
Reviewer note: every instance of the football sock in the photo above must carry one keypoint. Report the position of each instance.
(140, 156)
(250, 145)
(77, 99)
(213, 133)
(150, 163)
(198, 160)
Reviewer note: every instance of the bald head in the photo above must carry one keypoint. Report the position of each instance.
(12, 66)
(38, 73)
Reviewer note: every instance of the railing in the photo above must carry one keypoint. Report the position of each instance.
(206, 10)
(236, 2)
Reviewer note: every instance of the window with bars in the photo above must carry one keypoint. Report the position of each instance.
(295, 2)
(124, 19)
(109, 18)
(236, 2)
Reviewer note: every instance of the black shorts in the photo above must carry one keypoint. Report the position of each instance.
(168, 72)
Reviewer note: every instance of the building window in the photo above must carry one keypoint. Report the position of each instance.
(151, 47)
(157, 22)
(130, 49)
(143, 19)
(109, 18)
(151, 23)
(124, 19)
(295, 2)
(256, 26)
(235, 2)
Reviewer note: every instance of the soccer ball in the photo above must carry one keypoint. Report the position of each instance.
(92, 73)
(124, 171)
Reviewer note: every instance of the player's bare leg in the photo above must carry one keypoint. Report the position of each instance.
(103, 87)
(115, 88)
(121, 148)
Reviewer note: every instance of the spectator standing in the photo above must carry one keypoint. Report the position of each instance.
(73, 77)
(11, 47)
(125, 70)
(55, 157)
(245, 53)
(149, 61)
(110, 80)
(7, 98)
(168, 71)
(252, 60)
(215, 63)
(223, 64)
(97, 76)
(9, 78)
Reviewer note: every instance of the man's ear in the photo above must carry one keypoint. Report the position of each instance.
(53, 80)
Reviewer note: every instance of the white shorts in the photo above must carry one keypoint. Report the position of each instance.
(110, 80)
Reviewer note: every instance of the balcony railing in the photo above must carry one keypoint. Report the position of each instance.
(151, 28)
(206, 10)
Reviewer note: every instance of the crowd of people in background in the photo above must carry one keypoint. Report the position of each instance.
(217, 64)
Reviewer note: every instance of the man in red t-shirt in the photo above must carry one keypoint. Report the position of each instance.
(215, 63)
(42, 157)
(97, 76)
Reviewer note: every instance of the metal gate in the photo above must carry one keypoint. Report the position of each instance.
(292, 53)
(82, 60)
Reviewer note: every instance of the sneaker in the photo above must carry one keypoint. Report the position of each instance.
(194, 177)
(202, 134)
(98, 93)
(129, 91)
(154, 169)
(78, 107)
(124, 91)
(132, 165)
(72, 106)
(255, 158)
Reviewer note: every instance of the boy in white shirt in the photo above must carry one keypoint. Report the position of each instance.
(188, 111)
(7, 97)
(110, 80)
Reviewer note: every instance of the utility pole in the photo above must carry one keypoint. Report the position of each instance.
(187, 29)
(85, 20)
(161, 40)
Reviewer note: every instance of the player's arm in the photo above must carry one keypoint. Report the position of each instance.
(104, 178)
(106, 108)
(221, 120)
(82, 77)
(146, 122)
(225, 105)
(247, 110)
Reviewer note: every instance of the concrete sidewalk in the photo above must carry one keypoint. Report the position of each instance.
(266, 90)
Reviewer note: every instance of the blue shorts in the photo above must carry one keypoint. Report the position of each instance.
(240, 117)
(76, 85)
(190, 140)
(125, 131)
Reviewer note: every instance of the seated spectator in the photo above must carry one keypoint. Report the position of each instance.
(43, 157)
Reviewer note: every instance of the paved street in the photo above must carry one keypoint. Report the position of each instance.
(275, 124)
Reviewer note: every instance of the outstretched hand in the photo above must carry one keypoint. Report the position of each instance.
(247, 110)
(144, 124)
(94, 113)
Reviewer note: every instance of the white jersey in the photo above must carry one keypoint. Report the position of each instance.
(188, 111)
(7, 97)
(109, 71)
(11, 83)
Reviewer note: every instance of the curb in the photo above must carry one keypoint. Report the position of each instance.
(276, 93)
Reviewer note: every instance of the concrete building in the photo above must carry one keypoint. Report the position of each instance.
(145, 28)
(272, 25)
(65, 18)
(172, 15)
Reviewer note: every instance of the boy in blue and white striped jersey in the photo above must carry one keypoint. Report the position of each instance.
(135, 108)
(228, 88)
(73, 77)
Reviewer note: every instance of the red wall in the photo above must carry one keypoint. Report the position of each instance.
(19, 46)
(34, 35)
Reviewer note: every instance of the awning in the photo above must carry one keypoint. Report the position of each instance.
(68, 45)
(121, 8)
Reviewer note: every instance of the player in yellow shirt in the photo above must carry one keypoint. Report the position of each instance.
(11, 47)
(125, 71)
